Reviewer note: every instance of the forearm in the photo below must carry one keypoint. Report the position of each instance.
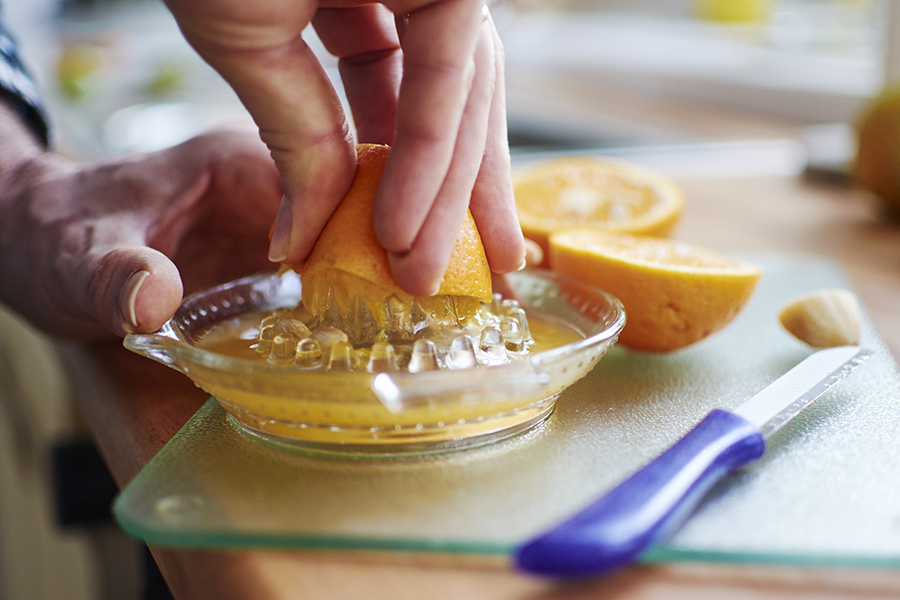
(18, 146)
(21, 159)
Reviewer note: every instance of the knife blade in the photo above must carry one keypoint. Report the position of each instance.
(655, 501)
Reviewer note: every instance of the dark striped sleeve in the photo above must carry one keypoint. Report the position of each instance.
(18, 89)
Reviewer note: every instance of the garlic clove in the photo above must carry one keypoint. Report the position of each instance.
(823, 319)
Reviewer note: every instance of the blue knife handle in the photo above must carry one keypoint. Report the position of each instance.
(651, 504)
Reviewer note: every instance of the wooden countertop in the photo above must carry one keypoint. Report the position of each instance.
(134, 406)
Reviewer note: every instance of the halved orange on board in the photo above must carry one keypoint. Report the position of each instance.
(674, 294)
(584, 191)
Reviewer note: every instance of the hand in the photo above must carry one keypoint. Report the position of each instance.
(425, 76)
(93, 248)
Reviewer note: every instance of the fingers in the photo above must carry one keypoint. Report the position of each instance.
(534, 254)
(279, 80)
(206, 205)
(439, 42)
(418, 227)
(370, 62)
(133, 289)
(421, 269)
(493, 205)
(215, 227)
(444, 119)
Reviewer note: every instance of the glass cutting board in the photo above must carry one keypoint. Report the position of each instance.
(826, 492)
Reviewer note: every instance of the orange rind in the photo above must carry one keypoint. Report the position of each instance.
(674, 294)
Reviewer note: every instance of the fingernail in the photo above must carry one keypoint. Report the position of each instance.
(522, 264)
(281, 232)
(128, 298)
(534, 254)
(396, 260)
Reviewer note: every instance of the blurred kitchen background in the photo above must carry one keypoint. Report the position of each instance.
(694, 87)
(580, 73)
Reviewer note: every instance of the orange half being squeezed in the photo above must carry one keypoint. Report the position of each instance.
(348, 270)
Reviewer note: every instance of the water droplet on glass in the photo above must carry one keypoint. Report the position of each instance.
(424, 357)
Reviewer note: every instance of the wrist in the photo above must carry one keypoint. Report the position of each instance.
(34, 208)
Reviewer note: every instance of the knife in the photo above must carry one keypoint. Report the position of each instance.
(654, 502)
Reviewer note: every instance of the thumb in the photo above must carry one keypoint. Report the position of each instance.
(134, 289)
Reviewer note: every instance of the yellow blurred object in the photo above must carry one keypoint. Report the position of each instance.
(734, 11)
(168, 78)
(674, 294)
(76, 64)
(594, 192)
(347, 261)
(877, 165)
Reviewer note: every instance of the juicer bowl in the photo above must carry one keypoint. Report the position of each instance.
(362, 413)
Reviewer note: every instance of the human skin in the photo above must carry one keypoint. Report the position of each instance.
(89, 249)
(425, 76)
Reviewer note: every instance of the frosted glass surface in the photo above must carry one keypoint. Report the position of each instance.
(826, 492)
